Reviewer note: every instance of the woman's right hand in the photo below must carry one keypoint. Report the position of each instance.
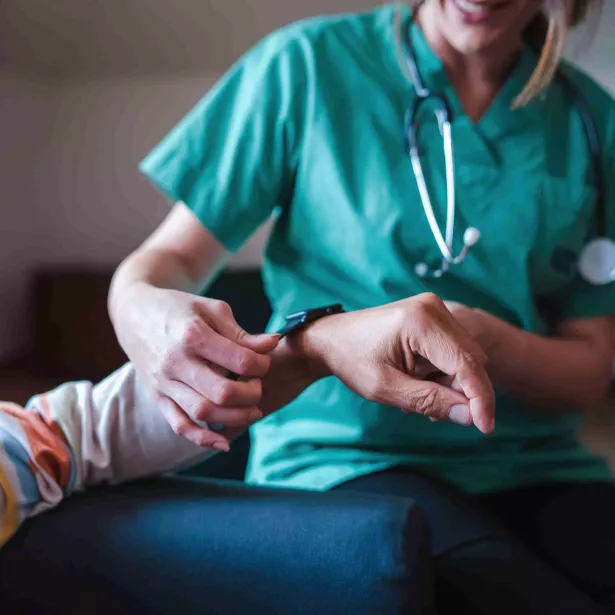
(182, 346)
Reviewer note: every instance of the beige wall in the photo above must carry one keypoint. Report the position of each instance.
(70, 190)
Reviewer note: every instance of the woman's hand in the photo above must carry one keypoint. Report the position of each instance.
(388, 355)
(183, 346)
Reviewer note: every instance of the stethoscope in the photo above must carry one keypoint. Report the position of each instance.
(596, 263)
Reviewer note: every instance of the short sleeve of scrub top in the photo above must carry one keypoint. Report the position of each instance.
(231, 158)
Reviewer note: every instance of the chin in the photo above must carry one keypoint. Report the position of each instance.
(472, 26)
(470, 43)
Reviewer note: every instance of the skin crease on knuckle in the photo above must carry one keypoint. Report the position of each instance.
(425, 402)
(201, 410)
(193, 333)
(248, 362)
(166, 367)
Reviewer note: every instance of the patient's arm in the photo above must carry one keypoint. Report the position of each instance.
(81, 435)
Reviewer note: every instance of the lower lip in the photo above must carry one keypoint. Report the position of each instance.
(474, 17)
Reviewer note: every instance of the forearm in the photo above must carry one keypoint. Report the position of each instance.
(148, 269)
(555, 373)
(181, 255)
(292, 371)
(80, 435)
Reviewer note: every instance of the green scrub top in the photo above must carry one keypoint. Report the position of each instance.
(309, 123)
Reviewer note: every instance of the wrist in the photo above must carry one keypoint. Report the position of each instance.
(126, 299)
(491, 335)
(309, 345)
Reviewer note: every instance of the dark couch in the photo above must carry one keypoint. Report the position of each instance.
(194, 545)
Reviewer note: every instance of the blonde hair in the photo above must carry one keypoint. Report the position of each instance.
(547, 32)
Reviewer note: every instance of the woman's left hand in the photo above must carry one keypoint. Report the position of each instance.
(479, 324)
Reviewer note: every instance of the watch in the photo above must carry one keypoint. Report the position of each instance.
(298, 320)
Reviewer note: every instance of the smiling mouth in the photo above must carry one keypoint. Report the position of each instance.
(477, 11)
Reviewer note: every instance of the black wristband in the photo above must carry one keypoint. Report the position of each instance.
(298, 320)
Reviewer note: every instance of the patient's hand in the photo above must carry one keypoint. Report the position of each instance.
(412, 354)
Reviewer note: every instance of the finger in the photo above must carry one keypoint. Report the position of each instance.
(182, 425)
(229, 354)
(224, 323)
(428, 398)
(477, 387)
(444, 343)
(203, 410)
(423, 369)
(263, 343)
(209, 382)
(446, 381)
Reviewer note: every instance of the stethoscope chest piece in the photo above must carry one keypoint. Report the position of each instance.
(597, 262)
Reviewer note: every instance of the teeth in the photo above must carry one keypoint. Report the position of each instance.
(470, 7)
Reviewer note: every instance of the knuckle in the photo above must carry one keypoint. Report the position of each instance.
(166, 366)
(221, 308)
(181, 428)
(431, 301)
(202, 410)
(222, 394)
(425, 401)
(246, 363)
(192, 333)
(474, 361)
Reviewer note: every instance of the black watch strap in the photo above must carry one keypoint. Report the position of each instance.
(298, 320)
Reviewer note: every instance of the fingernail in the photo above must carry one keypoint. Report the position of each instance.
(460, 415)
(268, 336)
(255, 415)
(220, 446)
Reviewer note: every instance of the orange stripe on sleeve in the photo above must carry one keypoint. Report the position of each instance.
(48, 450)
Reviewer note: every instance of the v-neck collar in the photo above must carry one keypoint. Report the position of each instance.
(499, 119)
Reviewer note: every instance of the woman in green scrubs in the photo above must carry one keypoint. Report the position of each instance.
(309, 125)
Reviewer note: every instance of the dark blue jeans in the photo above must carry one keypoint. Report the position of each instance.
(545, 550)
(185, 546)
(188, 546)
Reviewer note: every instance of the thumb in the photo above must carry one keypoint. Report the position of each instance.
(226, 325)
(433, 400)
(262, 343)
